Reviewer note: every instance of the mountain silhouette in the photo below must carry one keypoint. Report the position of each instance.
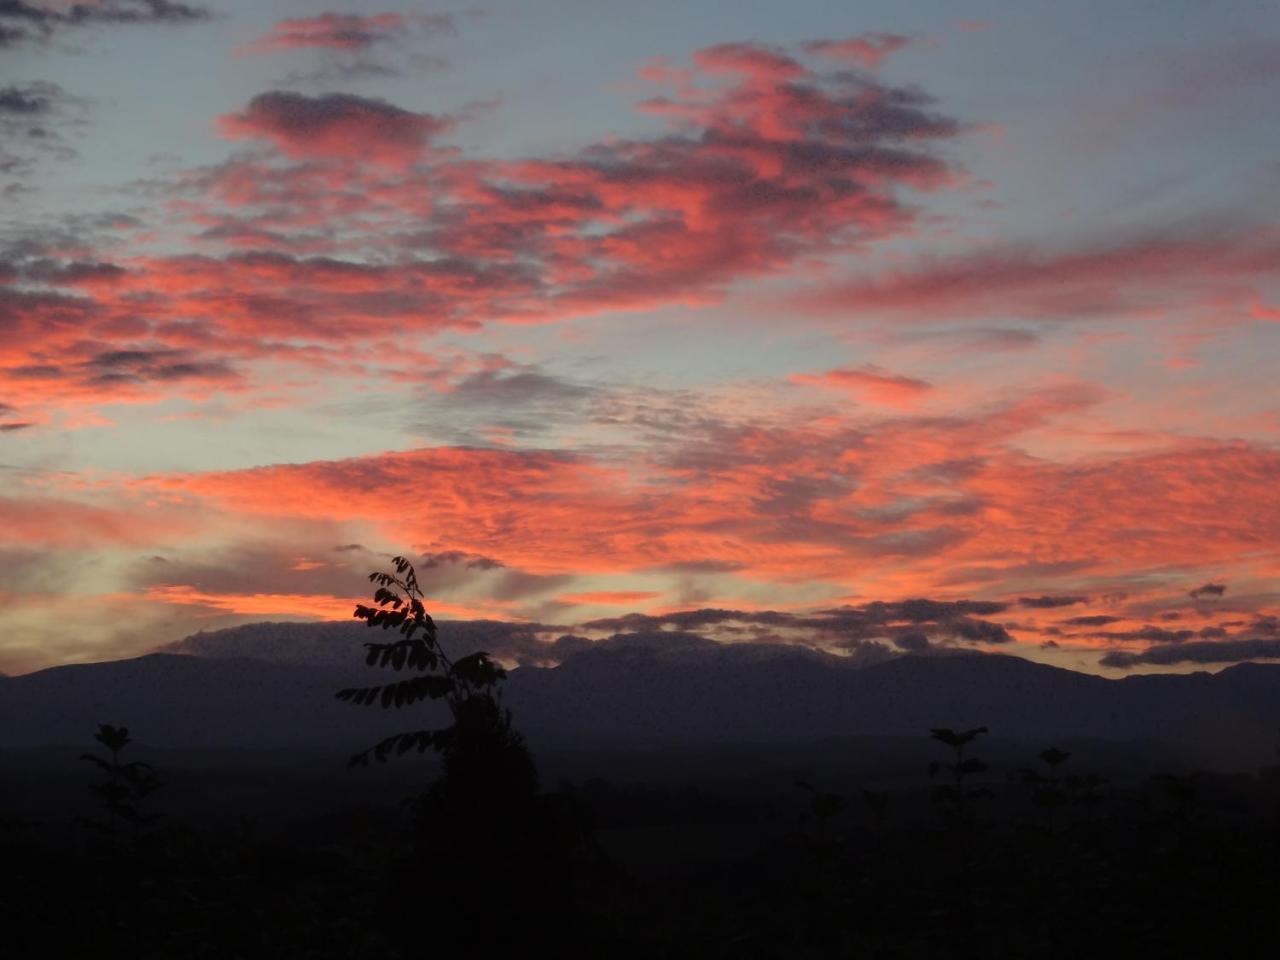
(616, 696)
(648, 691)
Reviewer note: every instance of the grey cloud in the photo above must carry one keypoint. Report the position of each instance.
(1098, 620)
(1208, 590)
(22, 22)
(148, 366)
(1227, 651)
(941, 622)
(35, 119)
(472, 561)
(1048, 602)
(525, 402)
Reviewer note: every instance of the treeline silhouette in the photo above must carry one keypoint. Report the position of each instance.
(1042, 860)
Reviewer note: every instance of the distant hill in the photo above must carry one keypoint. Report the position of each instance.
(648, 691)
(612, 697)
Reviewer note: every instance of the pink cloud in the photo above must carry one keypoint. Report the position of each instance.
(333, 31)
(1261, 311)
(868, 50)
(764, 64)
(871, 383)
(772, 163)
(1155, 273)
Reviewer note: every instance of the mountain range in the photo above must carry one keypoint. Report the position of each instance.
(640, 691)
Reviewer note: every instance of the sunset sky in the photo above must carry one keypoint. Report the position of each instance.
(604, 308)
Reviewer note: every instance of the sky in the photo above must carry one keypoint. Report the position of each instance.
(871, 326)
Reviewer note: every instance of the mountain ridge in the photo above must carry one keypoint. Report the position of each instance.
(615, 696)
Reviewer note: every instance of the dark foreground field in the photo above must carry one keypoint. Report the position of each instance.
(709, 853)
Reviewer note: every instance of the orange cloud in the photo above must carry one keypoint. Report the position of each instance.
(301, 605)
(871, 383)
(608, 598)
(914, 506)
(59, 523)
(255, 604)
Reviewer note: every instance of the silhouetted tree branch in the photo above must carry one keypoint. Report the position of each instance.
(470, 686)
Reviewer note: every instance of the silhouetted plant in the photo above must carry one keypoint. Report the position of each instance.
(469, 686)
(955, 799)
(819, 882)
(124, 787)
(954, 803)
(486, 852)
(1048, 789)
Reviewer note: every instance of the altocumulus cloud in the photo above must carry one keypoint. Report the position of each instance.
(335, 125)
(23, 22)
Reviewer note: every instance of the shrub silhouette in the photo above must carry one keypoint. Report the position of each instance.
(954, 803)
(1049, 790)
(484, 851)
(124, 788)
(469, 686)
(955, 799)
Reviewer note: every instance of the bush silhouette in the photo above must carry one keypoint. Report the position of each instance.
(955, 799)
(484, 850)
(124, 788)
(469, 686)
(1049, 790)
